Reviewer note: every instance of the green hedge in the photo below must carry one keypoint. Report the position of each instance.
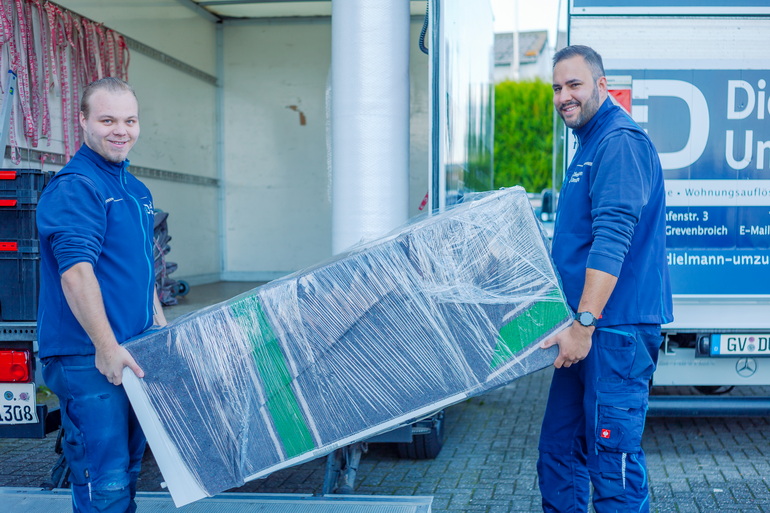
(523, 134)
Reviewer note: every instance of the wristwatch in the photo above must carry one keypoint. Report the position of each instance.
(586, 319)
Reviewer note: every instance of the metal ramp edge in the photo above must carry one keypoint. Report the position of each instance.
(34, 500)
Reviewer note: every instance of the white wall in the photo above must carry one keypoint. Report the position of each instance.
(278, 206)
(166, 26)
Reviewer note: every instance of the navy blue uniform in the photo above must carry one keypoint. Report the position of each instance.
(611, 217)
(95, 211)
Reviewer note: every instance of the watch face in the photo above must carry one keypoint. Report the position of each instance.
(586, 319)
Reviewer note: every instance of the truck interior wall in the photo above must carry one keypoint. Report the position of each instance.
(278, 205)
(168, 27)
(178, 122)
(274, 173)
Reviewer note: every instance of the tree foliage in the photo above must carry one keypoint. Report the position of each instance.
(523, 134)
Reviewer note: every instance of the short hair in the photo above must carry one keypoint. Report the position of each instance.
(111, 84)
(593, 59)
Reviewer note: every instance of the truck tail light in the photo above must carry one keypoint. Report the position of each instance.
(14, 366)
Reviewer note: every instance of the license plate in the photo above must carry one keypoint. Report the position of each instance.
(18, 403)
(740, 344)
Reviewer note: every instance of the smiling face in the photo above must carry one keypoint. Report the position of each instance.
(112, 125)
(577, 96)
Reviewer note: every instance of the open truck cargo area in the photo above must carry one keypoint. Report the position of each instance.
(205, 66)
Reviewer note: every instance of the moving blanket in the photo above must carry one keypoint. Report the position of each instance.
(448, 307)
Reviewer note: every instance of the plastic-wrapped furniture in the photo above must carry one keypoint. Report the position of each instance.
(448, 307)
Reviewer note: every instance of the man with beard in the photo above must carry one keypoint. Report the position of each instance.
(95, 222)
(609, 249)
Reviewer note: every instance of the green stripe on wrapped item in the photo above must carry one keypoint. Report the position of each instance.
(532, 323)
(281, 401)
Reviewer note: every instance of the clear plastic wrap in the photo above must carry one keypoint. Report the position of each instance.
(448, 307)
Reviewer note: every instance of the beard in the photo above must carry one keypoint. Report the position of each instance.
(587, 111)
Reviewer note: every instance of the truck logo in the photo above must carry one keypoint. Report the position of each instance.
(643, 89)
(746, 367)
(711, 128)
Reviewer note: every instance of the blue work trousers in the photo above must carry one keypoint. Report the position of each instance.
(593, 424)
(103, 442)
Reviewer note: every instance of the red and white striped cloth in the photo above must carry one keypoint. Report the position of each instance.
(55, 53)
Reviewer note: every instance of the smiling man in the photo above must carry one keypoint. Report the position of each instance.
(110, 121)
(95, 222)
(609, 249)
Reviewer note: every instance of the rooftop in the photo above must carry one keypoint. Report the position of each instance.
(531, 45)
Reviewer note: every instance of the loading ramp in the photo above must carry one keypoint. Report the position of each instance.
(33, 500)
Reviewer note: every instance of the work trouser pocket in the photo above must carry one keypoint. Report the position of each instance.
(60, 378)
(75, 453)
(620, 421)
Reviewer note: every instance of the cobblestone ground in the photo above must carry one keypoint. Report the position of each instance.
(487, 464)
(696, 465)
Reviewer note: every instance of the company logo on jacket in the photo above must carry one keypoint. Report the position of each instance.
(577, 175)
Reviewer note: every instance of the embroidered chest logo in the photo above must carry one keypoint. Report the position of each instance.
(577, 175)
(575, 178)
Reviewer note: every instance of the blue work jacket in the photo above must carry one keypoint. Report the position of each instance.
(611, 217)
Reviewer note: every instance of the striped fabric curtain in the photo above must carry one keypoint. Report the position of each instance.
(55, 53)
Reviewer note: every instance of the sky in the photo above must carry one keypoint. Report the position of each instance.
(533, 15)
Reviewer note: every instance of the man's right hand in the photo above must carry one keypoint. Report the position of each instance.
(574, 344)
(111, 362)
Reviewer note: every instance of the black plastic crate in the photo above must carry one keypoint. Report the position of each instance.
(19, 284)
(16, 246)
(20, 190)
(17, 223)
(23, 180)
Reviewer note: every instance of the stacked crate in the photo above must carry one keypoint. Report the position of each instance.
(20, 191)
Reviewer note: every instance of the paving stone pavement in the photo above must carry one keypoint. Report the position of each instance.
(487, 464)
(696, 465)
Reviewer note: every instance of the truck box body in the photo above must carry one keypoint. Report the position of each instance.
(695, 75)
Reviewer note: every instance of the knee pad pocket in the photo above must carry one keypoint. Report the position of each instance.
(111, 481)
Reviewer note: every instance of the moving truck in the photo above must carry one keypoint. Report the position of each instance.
(236, 136)
(696, 76)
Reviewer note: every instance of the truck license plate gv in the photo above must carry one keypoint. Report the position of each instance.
(740, 344)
